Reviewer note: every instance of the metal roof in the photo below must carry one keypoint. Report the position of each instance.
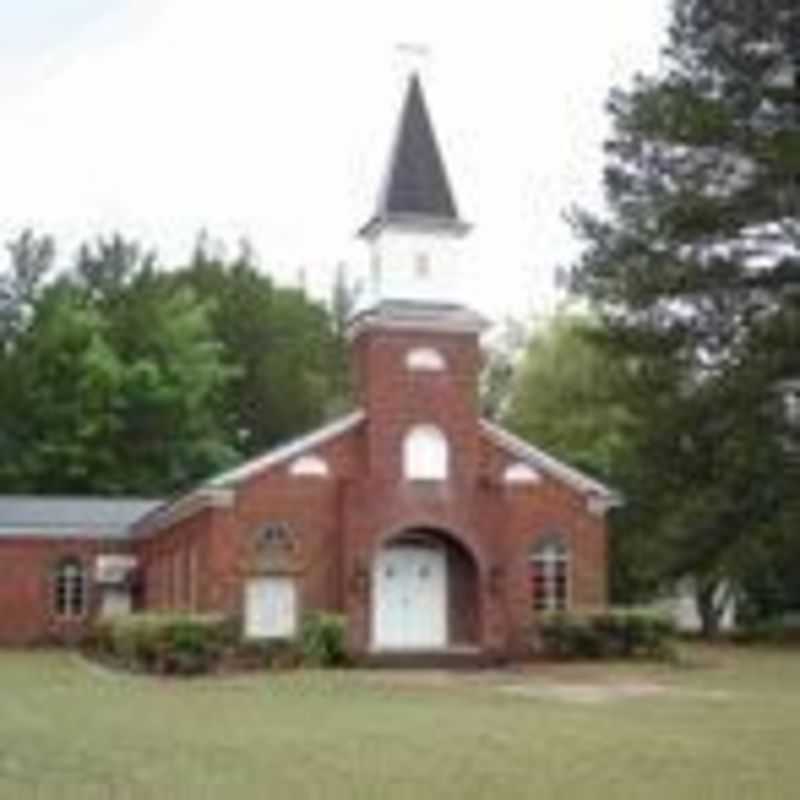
(83, 517)
(416, 190)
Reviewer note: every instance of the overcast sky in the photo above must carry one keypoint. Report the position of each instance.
(273, 120)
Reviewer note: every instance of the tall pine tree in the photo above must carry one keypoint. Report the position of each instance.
(695, 270)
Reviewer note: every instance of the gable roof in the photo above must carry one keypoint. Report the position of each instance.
(219, 490)
(530, 454)
(286, 451)
(84, 517)
(416, 188)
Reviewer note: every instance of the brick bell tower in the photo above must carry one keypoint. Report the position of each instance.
(415, 350)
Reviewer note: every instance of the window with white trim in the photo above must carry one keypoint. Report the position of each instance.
(550, 575)
(70, 589)
(425, 454)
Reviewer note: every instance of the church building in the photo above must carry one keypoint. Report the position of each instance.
(431, 529)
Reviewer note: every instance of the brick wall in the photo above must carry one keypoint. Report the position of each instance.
(27, 587)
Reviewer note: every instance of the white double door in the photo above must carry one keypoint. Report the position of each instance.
(410, 598)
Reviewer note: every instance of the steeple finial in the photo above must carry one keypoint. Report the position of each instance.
(414, 56)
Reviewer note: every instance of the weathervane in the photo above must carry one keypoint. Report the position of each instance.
(414, 55)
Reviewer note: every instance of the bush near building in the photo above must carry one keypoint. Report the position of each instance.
(165, 644)
(194, 644)
(613, 633)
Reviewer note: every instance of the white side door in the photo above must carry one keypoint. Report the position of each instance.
(270, 608)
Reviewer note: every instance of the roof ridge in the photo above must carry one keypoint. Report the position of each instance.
(541, 458)
(285, 451)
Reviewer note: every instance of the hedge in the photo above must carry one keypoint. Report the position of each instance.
(192, 644)
(180, 644)
(614, 633)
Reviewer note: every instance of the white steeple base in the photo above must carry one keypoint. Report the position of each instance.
(415, 266)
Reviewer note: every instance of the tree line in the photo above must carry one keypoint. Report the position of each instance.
(120, 375)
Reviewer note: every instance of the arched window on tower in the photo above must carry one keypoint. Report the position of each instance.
(70, 590)
(425, 454)
(550, 574)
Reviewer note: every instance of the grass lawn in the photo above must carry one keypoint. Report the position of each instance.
(727, 727)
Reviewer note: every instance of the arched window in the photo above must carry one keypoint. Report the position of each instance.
(425, 359)
(70, 588)
(425, 454)
(550, 574)
(520, 474)
(309, 466)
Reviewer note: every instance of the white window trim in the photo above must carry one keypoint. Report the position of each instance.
(426, 454)
(73, 573)
(294, 624)
(521, 474)
(310, 466)
(425, 359)
(548, 558)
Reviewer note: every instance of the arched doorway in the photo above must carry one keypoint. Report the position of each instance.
(425, 593)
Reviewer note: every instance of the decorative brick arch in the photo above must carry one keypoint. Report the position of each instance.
(444, 531)
(467, 572)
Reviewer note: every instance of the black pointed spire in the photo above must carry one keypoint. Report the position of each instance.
(416, 188)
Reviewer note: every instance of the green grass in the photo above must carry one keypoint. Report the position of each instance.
(729, 730)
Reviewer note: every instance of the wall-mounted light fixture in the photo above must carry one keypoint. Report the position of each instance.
(359, 578)
(497, 577)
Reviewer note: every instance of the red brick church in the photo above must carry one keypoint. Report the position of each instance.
(431, 529)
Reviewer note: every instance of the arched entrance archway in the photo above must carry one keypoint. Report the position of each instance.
(425, 593)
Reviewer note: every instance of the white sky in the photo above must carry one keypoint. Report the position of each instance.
(273, 121)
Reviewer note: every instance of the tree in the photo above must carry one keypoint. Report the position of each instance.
(500, 365)
(63, 411)
(32, 259)
(280, 342)
(342, 306)
(574, 396)
(116, 374)
(567, 395)
(694, 274)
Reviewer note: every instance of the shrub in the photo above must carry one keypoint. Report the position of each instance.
(323, 639)
(615, 633)
(180, 644)
(268, 653)
(784, 629)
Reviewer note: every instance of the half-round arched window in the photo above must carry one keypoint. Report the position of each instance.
(521, 474)
(425, 359)
(309, 466)
(425, 454)
(70, 588)
(550, 574)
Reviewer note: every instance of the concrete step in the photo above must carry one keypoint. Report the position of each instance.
(451, 658)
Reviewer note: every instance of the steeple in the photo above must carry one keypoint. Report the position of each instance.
(414, 230)
(416, 189)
